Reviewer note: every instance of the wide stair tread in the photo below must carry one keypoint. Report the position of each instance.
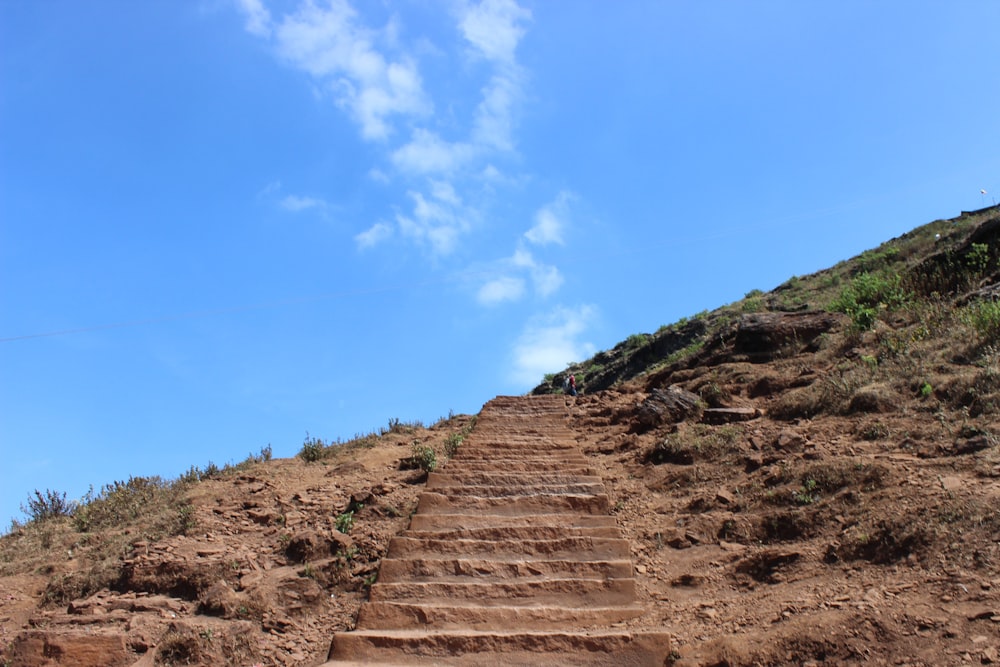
(501, 648)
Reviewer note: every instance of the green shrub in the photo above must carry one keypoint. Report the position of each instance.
(119, 503)
(871, 260)
(753, 304)
(313, 449)
(452, 444)
(422, 457)
(978, 258)
(866, 294)
(635, 341)
(345, 522)
(984, 318)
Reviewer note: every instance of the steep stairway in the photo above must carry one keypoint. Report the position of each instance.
(512, 558)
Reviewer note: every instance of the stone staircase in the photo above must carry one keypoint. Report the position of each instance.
(512, 558)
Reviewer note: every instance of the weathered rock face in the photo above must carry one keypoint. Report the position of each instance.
(763, 336)
(40, 648)
(312, 545)
(667, 406)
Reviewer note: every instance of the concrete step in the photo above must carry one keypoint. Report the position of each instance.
(493, 463)
(581, 548)
(568, 592)
(500, 491)
(513, 533)
(499, 648)
(430, 502)
(473, 521)
(460, 568)
(462, 478)
(455, 615)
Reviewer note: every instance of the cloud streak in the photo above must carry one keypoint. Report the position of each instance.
(327, 41)
(551, 341)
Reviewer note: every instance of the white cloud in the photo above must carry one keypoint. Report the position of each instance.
(550, 221)
(426, 153)
(548, 343)
(546, 279)
(494, 124)
(372, 74)
(328, 43)
(501, 289)
(258, 18)
(437, 219)
(378, 175)
(296, 203)
(270, 189)
(494, 28)
(374, 235)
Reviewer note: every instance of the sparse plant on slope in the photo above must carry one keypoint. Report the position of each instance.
(452, 444)
(984, 318)
(423, 457)
(48, 505)
(345, 522)
(867, 294)
(118, 503)
(313, 449)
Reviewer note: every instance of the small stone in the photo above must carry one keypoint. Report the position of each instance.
(951, 483)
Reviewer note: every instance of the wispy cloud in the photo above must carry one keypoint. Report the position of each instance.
(498, 290)
(374, 76)
(546, 279)
(551, 341)
(428, 154)
(258, 18)
(550, 221)
(327, 42)
(295, 203)
(494, 28)
(437, 219)
(373, 236)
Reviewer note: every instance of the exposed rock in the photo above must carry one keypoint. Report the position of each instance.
(763, 566)
(790, 440)
(219, 600)
(41, 648)
(729, 415)
(667, 406)
(311, 545)
(765, 336)
(876, 398)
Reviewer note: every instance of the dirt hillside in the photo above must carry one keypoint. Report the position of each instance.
(807, 477)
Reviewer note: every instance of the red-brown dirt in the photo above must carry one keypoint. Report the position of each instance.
(845, 540)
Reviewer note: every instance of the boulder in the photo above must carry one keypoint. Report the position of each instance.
(667, 406)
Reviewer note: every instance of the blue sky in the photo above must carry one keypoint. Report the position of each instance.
(227, 223)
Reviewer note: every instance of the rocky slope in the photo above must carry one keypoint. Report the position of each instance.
(809, 476)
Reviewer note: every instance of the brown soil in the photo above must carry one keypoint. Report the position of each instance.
(862, 536)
